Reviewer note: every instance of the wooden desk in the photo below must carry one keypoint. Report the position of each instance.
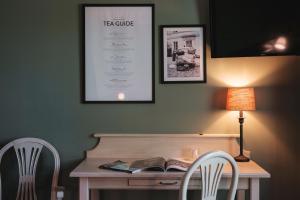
(131, 147)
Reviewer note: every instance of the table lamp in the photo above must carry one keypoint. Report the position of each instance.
(241, 99)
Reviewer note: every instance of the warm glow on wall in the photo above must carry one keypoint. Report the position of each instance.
(233, 80)
(221, 122)
(244, 71)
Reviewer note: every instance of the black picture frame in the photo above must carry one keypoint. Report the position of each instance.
(181, 62)
(151, 71)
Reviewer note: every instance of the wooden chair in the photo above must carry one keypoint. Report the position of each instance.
(28, 151)
(211, 166)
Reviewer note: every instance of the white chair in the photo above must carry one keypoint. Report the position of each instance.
(211, 166)
(28, 151)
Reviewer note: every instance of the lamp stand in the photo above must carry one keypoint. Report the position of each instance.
(241, 157)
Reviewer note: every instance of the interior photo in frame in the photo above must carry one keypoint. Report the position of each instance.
(118, 53)
(184, 57)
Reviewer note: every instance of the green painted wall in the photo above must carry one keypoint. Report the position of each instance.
(40, 93)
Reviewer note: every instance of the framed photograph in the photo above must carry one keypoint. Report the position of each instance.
(118, 53)
(184, 54)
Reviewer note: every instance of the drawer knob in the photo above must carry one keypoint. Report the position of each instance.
(168, 183)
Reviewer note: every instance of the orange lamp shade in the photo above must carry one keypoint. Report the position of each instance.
(240, 99)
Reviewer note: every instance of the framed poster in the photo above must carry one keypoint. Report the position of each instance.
(118, 43)
(184, 54)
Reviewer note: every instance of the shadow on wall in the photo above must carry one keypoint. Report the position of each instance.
(279, 104)
(219, 99)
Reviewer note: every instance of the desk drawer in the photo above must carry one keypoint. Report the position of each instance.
(161, 182)
(153, 182)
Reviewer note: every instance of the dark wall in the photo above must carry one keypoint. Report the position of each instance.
(40, 93)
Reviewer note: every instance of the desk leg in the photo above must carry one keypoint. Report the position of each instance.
(254, 189)
(95, 194)
(83, 189)
(240, 195)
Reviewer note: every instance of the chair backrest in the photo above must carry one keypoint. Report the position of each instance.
(28, 151)
(211, 166)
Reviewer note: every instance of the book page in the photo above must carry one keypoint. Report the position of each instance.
(157, 163)
(177, 165)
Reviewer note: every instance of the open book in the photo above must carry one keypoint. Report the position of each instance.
(151, 164)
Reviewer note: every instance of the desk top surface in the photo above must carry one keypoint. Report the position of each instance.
(90, 168)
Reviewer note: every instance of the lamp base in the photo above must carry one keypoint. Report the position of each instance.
(241, 158)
